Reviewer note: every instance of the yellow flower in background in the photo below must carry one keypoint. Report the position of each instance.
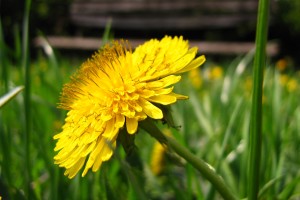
(195, 78)
(115, 89)
(215, 73)
(292, 85)
(281, 64)
(158, 155)
(283, 79)
(158, 158)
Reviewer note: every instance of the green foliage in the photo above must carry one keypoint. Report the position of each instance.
(213, 124)
(288, 11)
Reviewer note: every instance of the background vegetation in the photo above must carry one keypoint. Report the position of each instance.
(213, 124)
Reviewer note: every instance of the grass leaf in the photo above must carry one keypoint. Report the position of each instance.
(10, 95)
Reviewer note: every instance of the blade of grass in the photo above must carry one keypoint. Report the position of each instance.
(10, 95)
(256, 111)
(267, 186)
(25, 66)
(227, 135)
(3, 71)
(289, 188)
(106, 37)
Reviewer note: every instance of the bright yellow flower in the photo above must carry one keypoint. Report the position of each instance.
(114, 89)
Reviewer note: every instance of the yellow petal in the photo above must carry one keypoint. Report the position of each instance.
(151, 110)
(71, 172)
(131, 125)
(110, 129)
(164, 91)
(164, 82)
(192, 65)
(163, 99)
(120, 120)
(97, 164)
(101, 152)
(183, 61)
(179, 96)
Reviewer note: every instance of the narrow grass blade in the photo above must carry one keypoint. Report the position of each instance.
(267, 186)
(106, 37)
(26, 67)
(10, 95)
(289, 189)
(255, 137)
(3, 52)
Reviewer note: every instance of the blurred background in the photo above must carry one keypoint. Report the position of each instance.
(200, 20)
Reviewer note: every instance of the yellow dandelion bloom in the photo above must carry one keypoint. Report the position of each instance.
(282, 64)
(292, 85)
(158, 155)
(117, 88)
(157, 159)
(215, 73)
(195, 78)
(283, 79)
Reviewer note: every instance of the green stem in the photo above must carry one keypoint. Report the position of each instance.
(196, 162)
(255, 137)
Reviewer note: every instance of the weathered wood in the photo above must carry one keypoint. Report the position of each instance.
(167, 14)
(105, 7)
(173, 22)
(157, 15)
(225, 48)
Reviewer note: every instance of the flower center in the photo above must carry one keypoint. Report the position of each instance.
(125, 100)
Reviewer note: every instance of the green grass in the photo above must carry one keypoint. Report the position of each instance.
(213, 124)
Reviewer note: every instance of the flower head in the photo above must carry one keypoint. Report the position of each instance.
(117, 88)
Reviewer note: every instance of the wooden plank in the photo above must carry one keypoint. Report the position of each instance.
(218, 47)
(164, 14)
(108, 7)
(168, 22)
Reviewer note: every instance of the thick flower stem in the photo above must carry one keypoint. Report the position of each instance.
(195, 161)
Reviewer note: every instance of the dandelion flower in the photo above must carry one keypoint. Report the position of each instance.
(215, 73)
(195, 78)
(158, 155)
(282, 64)
(292, 85)
(157, 159)
(116, 89)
